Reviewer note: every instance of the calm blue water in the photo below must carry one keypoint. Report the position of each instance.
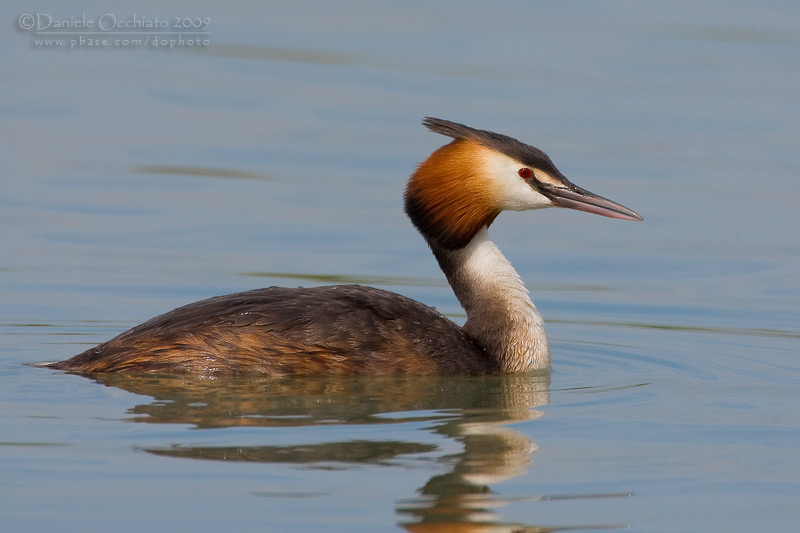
(137, 179)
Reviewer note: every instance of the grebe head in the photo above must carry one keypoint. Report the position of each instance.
(464, 185)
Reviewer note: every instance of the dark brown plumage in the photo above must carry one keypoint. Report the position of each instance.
(280, 331)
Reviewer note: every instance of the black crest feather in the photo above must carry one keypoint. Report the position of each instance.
(524, 153)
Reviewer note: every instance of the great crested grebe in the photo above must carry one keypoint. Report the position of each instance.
(452, 199)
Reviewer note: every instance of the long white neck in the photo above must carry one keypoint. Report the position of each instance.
(501, 317)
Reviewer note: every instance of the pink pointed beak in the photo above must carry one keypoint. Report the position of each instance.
(575, 197)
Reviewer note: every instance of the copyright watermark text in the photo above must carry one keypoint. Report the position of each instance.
(108, 30)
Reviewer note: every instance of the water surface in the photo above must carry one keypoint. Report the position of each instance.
(137, 179)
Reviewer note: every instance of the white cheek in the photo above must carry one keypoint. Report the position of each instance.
(513, 193)
(522, 197)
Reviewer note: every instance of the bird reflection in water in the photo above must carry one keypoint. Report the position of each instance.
(478, 412)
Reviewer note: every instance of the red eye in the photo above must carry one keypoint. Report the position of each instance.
(525, 173)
